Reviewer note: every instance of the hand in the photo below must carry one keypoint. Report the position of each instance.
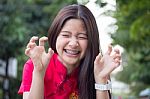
(103, 66)
(37, 53)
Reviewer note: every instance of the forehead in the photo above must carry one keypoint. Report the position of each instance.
(76, 24)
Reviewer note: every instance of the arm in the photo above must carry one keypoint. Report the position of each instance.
(40, 61)
(103, 66)
(37, 87)
(102, 94)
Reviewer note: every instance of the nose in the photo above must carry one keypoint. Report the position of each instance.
(73, 42)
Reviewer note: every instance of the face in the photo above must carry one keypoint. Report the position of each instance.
(71, 43)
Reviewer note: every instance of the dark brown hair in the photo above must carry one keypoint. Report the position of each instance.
(86, 72)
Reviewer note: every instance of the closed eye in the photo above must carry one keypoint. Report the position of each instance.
(82, 36)
(65, 35)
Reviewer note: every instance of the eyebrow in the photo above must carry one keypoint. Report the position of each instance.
(84, 33)
(66, 31)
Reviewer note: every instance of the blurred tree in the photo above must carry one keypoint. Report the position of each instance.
(133, 34)
(19, 20)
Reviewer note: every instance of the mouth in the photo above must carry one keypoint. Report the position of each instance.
(72, 52)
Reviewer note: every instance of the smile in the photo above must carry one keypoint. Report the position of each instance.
(72, 52)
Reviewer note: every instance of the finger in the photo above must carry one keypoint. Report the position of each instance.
(50, 51)
(109, 49)
(27, 51)
(42, 41)
(31, 45)
(117, 51)
(116, 56)
(33, 39)
(117, 62)
(98, 58)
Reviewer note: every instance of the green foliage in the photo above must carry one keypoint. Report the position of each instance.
(11, 29)
(19, 21)
(14, 85)
(133, 35)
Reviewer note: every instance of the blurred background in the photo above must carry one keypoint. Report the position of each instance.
(124, 23)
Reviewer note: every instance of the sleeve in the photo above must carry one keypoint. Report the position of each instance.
(26, 77)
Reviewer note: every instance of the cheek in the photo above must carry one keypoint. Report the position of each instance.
(57, 44)
(84, 45)
(60, 43)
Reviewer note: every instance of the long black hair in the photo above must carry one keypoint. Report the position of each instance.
(86, 73)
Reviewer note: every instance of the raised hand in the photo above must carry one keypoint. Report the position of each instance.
(38, 54)
(103, 66)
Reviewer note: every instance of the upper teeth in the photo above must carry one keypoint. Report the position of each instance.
(72, 51)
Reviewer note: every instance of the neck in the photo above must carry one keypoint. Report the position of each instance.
(70, 69)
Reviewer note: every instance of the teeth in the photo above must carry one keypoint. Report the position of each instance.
(72, 52)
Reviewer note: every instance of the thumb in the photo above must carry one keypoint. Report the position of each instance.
(50, 52)
(109, 49)
(98, 58)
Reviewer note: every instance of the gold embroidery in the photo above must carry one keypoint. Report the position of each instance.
(73, 95)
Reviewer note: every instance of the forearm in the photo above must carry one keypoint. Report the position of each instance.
(102, 94)
(37, 86)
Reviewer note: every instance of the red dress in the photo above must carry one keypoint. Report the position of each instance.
(57, 84)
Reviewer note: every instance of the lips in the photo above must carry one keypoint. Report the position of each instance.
(72, 52)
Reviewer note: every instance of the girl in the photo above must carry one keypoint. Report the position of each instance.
(73, 67)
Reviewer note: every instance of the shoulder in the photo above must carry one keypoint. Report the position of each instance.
(28, 65)
(52, 62)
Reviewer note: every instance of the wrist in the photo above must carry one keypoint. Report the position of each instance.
(38, 73)
(103, 87)
(101, 80)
